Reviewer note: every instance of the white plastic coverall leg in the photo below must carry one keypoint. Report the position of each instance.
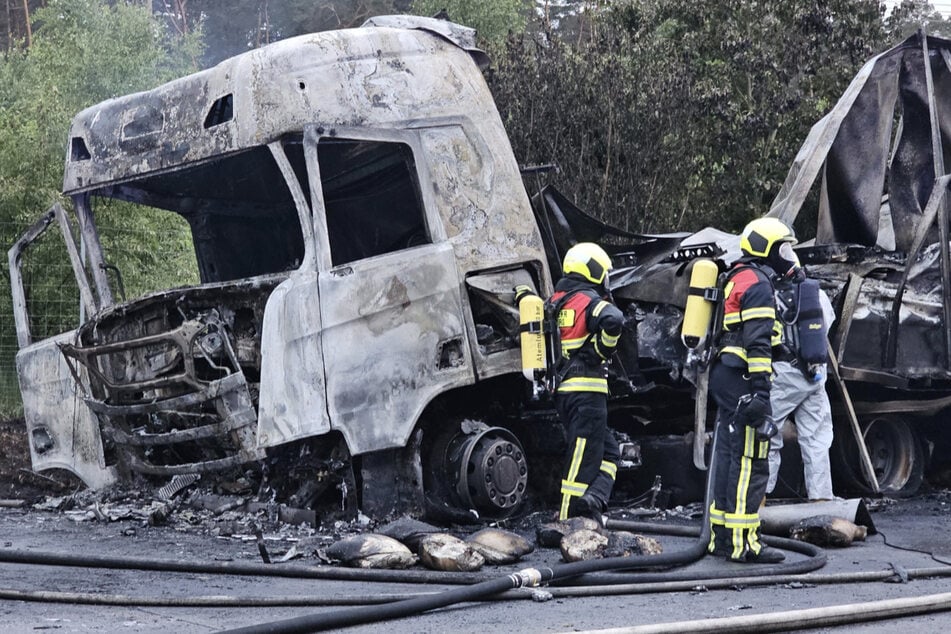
(792, 394)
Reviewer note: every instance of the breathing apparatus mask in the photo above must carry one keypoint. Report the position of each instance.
(784, 261)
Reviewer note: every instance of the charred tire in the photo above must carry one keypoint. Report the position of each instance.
(895, 450)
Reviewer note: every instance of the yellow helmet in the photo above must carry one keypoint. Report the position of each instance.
(589, 260)
(760, 235)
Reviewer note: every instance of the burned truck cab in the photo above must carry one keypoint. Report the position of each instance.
(351, 200)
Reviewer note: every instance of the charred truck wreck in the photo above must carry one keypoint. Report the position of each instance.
(359, 222)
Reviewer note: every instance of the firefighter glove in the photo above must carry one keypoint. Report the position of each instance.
(521, 291)
(753, 409)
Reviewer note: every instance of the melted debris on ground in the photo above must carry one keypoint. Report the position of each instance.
(229, 510)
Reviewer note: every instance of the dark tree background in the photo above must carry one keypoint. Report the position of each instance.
(675, 114)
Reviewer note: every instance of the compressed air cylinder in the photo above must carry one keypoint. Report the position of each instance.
(812, 331)
(531, 314)
(699, 309)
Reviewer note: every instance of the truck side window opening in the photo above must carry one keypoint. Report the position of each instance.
(371, 197)
(241, 213)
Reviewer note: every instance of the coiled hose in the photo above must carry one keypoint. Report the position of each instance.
(600, 576)
(530, 577)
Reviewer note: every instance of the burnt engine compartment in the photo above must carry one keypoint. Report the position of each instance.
(173, 377)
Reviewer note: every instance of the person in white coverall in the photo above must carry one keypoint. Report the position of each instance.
(799, 391)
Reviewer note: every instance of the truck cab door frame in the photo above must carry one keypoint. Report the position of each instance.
(15, 256)
(293, 394)
(393, 321)
(62, 431)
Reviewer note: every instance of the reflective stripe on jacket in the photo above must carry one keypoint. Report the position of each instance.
(589, 328)
(749, 320)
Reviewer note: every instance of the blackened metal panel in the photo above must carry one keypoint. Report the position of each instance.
(853, 142)
(394, 338)
(852, 189)
(912, 173)
(811, 156)
(53, 406)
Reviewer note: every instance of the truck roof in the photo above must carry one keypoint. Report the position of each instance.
(355, 77)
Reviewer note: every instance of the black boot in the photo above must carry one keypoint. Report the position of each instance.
(587, 506)
(766, 555)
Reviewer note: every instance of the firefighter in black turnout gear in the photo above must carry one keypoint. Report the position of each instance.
(740, 385)
(589, 326)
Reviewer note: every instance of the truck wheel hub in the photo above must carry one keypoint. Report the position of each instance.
(491, 471)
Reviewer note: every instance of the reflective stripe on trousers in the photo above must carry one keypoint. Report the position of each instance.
(741, 469)
(592, 453)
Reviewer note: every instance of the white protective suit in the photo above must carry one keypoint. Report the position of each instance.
(794, 395)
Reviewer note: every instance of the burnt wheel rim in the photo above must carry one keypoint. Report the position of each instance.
(893, 451)
(492, 472)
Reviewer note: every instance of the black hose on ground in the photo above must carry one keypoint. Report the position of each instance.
(478, 592)
(240, 568)
(815, 559)
(480, 589)
(27, 557)
(328, 572)
(530, 577)
(721, 582)
(526, 578)
(667, 583)
(373, 614)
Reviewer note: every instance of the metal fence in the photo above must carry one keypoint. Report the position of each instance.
(152, 252)
(52, 297)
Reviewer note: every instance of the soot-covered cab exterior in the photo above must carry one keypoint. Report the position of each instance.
(354, 206)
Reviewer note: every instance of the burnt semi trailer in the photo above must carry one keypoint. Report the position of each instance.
(877, 165)
(358, 221)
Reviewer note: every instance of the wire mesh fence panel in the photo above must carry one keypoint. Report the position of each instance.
(52, 303)
(9, 391)
(145, 250)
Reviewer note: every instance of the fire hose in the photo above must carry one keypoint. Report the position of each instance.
(480, 587)
(531, 577)
(586, 578)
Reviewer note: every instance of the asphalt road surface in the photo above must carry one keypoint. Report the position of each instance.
(921, 527)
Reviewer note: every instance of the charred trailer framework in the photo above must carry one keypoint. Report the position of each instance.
(877, 163)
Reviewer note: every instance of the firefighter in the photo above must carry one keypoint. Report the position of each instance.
(589, 326)
(740, 386)
(799, 383)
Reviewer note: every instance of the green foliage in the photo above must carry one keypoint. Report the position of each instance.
(678, 114)
(231, 28)
(294, 17)
(910, 15)
(151, 248)
(83, 52)
(492, 19)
